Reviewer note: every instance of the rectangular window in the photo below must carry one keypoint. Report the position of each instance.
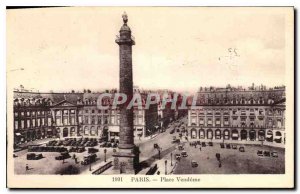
(93, 120)
(28, 123)
(22, 124)
(72, 120)
(209, 121)
(22, 113)
(49, 121)
(72, 111)
(65, 120)
(28, 113)
(33, 113)
(66, 112)
(38, 112)
(16, 125)
(38, 122)
(43, 121)
(80, 119)
(99, 120)
(58, 121)
(33, 122)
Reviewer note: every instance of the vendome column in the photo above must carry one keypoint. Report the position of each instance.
(126, 160)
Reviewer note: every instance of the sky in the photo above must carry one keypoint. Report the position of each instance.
(178, 48)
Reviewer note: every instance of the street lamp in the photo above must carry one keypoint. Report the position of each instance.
(171, 158)
(105, 155)
(166, 167)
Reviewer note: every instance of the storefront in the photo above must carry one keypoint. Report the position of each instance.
(261, 135)
(201, 134)
(193, 133)
(252, 135)
(218, 134)
(269, 136)
(235, 134)
(226, 134)
(278, 137)
(244, 134)
(209, 134)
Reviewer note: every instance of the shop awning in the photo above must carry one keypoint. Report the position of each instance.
(115, 129)
(235, 135)
(269, 135)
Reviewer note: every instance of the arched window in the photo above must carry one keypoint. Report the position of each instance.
(218, 134)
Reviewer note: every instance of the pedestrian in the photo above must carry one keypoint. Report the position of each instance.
(74, 156)
(220, 165)
(75, 160)
(200, 148)
(27, 167)
(158, 172)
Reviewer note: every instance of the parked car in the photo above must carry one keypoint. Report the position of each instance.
(194, 164)
(33, 156)
(63, 155)
(222, 145)
(228, 146)
(274, 154)
(260, 153)
(203, 144)
(180, 147)
(210, 143)
(92, 150)
(267, 153)
(177, 156)
(176, 141)
(234, 146)
(184, 154)
(172, 131)
(241, 149)
(88, 159)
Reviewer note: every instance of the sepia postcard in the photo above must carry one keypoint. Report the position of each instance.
(150, 97)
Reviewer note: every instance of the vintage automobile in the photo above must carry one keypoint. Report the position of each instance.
(260, 153)
(203, 144)
(210, 143)
(194, 164)
(228, 146)
(176, 141)
(242, 149)
(63, 155)
(88, 159)
(92, 150)
(274, 154)
(33, 156)
(234, 146)
(184, 154)
(177, 156)
(222, 145)
(267, 153)
(172, 131)
(180, 147)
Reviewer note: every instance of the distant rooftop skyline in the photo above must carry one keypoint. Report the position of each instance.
(180, 49)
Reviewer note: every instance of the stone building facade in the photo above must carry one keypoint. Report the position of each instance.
(254, 114)
(72, 115)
